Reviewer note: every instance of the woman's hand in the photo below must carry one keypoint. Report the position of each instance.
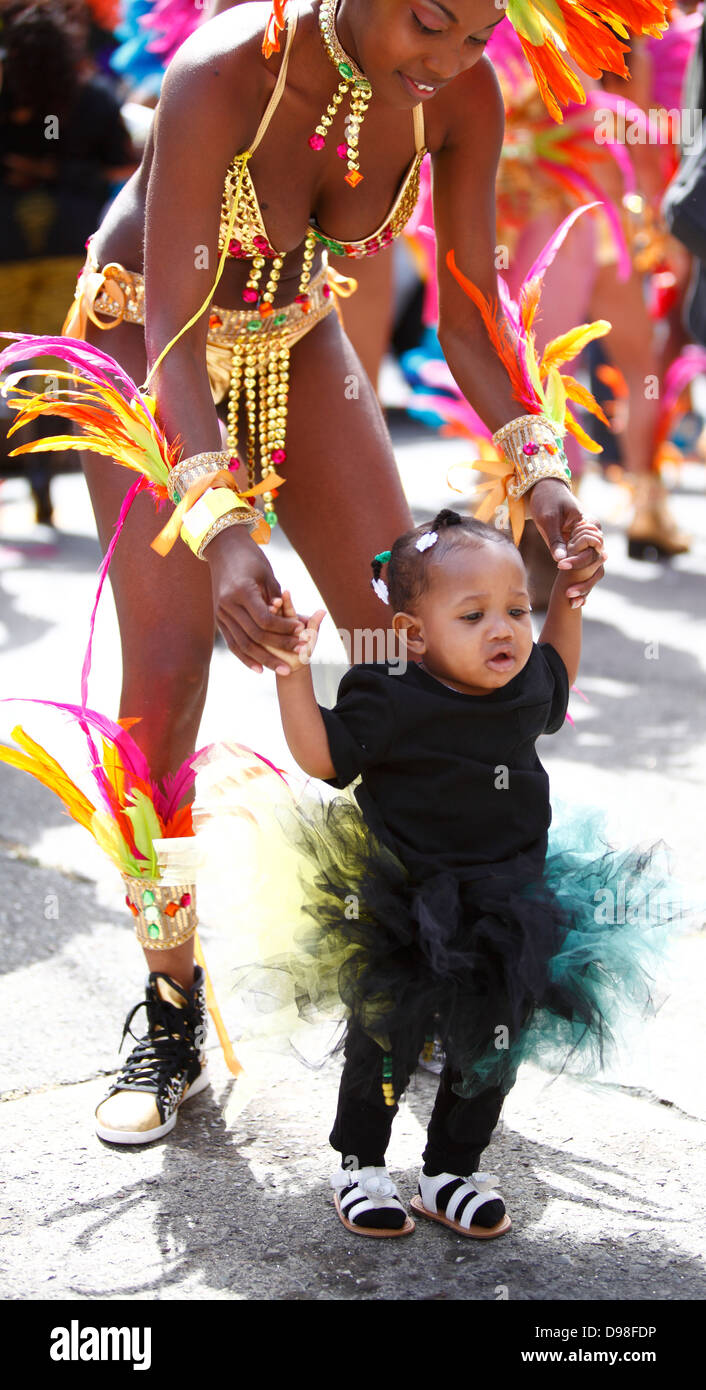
(293, 661)
(556, 513)
(244, 588)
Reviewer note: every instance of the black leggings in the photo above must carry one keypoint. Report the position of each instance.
(459, 1130)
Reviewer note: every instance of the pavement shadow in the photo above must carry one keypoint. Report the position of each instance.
(213, 1226)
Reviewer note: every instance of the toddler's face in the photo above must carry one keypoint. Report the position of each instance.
(472, 625)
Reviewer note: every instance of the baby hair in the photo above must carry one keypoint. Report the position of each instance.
(408, 563)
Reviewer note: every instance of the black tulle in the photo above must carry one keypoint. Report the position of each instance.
(515, 963)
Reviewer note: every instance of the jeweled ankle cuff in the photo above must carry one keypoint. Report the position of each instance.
(165, 913)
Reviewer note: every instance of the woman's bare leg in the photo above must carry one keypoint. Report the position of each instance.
(165, 614)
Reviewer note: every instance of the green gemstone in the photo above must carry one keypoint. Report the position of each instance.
(147, 897)
(336, 247)
(345, 69)
(271, 518)
(154, 931)
(254, 324)
(176, 496)
(278, 319)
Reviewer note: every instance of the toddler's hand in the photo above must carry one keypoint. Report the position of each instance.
(294, 661)
(586, 537)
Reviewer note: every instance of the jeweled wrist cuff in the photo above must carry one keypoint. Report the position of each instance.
(536, 450)
(188, 471)
(232, 518)
(165, 914)
(218, 504)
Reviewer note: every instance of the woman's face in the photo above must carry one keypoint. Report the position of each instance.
(410, 49)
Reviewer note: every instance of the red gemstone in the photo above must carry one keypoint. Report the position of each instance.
(326, 291)
(214, 321)
(234, 248)
(185, 900)
(303, 301)
(530, 448)
(279, 455)
(261, 243)
(275, 492)
(342, 151)
(250, 296)
(234, 464)
(317, 142)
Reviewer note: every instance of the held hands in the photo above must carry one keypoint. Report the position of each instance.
(586, 540)
(244, 589)
(559, 518)
(299, 658)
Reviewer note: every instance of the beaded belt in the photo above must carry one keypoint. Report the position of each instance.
(247, 354)
(121, 297)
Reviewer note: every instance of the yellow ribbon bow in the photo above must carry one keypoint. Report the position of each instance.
(221, 478)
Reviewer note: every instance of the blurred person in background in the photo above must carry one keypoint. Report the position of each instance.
(64, 150)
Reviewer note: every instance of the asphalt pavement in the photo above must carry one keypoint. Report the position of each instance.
(604, 1179)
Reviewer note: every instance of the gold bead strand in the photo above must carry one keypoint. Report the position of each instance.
(251, 293)
(266, 308)
(236, 377)
(302, 298)
(360, 101)
(318, 139)
(251, 410)
(278, 433)
(263, 421)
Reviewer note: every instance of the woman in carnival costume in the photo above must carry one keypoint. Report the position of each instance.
(330, 127)
(462, 923)
(545, 170)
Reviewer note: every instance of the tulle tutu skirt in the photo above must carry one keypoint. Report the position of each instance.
(506, 966)
(512, 964)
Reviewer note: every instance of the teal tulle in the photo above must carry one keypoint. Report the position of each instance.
(508, 965)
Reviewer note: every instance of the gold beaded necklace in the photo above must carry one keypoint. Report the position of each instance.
(354, 83)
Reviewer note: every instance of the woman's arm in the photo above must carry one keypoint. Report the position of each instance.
(464, 171)
(213, 95)
(208, 111)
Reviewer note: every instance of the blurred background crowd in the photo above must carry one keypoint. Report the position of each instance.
(81, 79)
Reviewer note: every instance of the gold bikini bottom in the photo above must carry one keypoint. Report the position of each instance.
(110, 295)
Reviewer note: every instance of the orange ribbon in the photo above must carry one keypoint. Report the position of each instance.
(221, 478)
(496, 493)
(90, 285)
(231, 1060)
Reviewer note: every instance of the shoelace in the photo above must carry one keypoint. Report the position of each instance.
(158, 1055)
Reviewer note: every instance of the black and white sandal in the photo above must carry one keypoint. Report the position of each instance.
(368, 1203)
(470, 1206)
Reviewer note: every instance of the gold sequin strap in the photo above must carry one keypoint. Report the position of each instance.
(242, 161)
(279, 85)
(419, 132)
(221, 264)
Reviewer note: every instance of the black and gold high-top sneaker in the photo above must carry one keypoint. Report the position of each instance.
(167, 1066)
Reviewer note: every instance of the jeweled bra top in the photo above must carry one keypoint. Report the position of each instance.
(249, 236)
